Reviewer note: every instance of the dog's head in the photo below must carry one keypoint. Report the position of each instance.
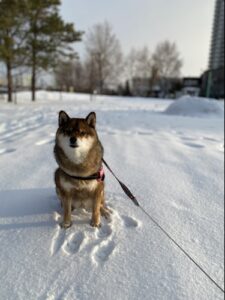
(76, 136)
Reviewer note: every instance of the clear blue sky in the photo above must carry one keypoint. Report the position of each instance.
(146, 22)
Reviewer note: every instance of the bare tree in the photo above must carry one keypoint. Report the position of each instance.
(64, 75)
(144, 63)
(130, 64)
(104, 55)
(167, 62)
(90, 75)
(70, 74)
(139, 65)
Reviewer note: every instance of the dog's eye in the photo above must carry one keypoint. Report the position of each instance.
(82, 133)
(69, 131)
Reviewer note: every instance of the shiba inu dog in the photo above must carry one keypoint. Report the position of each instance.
(80, 177)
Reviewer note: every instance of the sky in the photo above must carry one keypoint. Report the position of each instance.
(139, 23)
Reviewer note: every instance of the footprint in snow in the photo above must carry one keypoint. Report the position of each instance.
(5, 151)
(106, 246)
(105, 231)
(73, 243)
(210, 139)
(193, 145)
(129, 222)
(187, 138)
(98, 246)
(58, 240)
(103, 251)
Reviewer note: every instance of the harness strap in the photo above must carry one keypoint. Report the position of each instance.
(100, 176)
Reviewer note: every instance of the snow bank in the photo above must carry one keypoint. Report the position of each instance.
(195, 106)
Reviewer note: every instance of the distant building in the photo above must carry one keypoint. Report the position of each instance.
(143, 87)
(213, 79)
(191, 86)
(216, 60)
(213, 84)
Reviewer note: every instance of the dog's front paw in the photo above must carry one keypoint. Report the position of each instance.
(65, 225)
(95, 224)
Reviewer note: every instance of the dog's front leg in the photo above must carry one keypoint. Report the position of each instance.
(95, 221)
(67, 206)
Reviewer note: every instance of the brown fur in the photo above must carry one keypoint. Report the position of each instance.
(73, 192)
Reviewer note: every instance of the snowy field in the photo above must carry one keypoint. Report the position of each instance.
(173, 163)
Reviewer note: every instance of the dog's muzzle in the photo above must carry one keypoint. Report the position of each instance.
(73, 142)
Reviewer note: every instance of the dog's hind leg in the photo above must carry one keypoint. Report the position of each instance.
(104, 210)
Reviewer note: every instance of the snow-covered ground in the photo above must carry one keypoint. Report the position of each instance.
(174, 164)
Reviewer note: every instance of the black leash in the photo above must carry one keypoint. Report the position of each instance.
(134, 200)
(123, 186)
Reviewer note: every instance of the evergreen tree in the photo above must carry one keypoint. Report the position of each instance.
(48, 37)
(127, 91)
(12, 37)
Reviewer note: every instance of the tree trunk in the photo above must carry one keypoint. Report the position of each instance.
(9, 81)
(34, 67)
(33, 82)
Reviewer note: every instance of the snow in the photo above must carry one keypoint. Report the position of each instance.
(195, 106)
(173, 164)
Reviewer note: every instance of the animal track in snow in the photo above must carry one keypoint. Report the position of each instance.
(58, 240)
(187, 138)
(129, 222)
(210, 139)
(16, 133)
(105, 231)
(193, 142)
(97, 244)
(73, 243)
(102, 252)
(193, 145)
(127, 132)
(4, 151)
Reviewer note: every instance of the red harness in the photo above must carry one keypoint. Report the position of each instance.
(101, 175)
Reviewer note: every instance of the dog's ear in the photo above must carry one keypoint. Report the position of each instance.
(91, 119)
(63, 118)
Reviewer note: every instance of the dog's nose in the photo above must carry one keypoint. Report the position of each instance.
(73, 140)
